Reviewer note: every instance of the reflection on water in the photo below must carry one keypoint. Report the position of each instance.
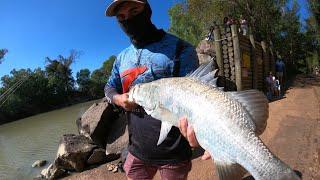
(35, 138)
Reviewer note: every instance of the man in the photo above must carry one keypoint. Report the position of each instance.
(280, 69)
(269, 83)
(154, 54)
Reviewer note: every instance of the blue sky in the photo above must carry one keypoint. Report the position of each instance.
(34, 29)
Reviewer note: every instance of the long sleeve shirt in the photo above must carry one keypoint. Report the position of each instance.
(152, 62)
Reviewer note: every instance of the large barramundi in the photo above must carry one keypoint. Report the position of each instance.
(226, 124)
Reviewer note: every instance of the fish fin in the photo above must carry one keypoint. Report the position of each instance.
(229, 171)
(206, 74)
(167, 118)
(256, 103)
(163, 114)
(164, 131)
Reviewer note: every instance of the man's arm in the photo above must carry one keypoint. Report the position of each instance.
(113, 88)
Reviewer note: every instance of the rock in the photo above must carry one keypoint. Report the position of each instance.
(117, 139)
(204, 58)
(52, 172)
(39, 177)
(73, 152)
(110, 167)
(115, 169)
(39, 163)
(205, 47)
(120, 167)
(124, 155)
(206, 52)
(98, 156)
(95, 122)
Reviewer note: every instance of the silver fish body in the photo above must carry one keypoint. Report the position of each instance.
(222, 124)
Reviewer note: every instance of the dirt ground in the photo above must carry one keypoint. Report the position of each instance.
(292, 134)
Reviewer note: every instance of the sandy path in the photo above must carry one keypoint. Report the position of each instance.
(293, 134)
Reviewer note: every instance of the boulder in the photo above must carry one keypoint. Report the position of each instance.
(206, 51)
(95, 122)
(204, 58)
(206, 47)
(39, 163)
(117, 138)
(98, 156)
(73, 152)
(52, 172)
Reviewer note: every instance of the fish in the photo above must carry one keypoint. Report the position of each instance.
(226, 124)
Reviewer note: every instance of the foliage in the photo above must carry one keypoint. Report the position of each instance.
(43, 90)
(83, 81)
(99, 77)
(3, 52)
(315, 8)
(30, 98)
(59, 74)
(273, 21)
(107, 65)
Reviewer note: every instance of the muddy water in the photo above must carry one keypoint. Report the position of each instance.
(35, 138)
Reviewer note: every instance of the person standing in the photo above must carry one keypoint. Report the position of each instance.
(269, 83)
(153, 54)
(280, 70)
(243, 26)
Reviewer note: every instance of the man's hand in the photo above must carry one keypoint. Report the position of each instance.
(122, 100)
(188, 132)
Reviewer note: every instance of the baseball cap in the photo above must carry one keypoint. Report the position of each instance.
(112, 7)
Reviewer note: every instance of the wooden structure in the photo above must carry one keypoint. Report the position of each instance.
(243, 63)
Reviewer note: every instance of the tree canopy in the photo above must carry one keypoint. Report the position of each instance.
(26, 92)
(273, 21)
(3, 52)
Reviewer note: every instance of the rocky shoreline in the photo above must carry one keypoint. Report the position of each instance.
(102, 138)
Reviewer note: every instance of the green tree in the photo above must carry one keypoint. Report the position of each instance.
(107, 65)
(315, 8)
(83, 81)
(61, 81)
(100, 76)
(24, 93)
(3, 52)
(98, 81)
(273, 21)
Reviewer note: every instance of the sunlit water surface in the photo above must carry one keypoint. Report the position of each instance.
(35, 138)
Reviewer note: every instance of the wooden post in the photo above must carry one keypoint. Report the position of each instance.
(266, 63)
(255, 67)
(272, 61)
(237, 56)
(217, 43)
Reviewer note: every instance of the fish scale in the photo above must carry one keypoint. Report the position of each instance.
(223, 124)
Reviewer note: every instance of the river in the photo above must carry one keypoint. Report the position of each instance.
(35, 138)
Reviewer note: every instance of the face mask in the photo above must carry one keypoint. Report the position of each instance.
(140, 29)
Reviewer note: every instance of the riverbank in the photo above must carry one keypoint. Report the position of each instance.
(4, 119)
(34, 138)
(292, 133)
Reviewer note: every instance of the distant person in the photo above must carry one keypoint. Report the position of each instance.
(226, 22)
(210, 34)
(243, 25)
(316, 71)
(276, 86)
(280, 69)
(269, 83)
